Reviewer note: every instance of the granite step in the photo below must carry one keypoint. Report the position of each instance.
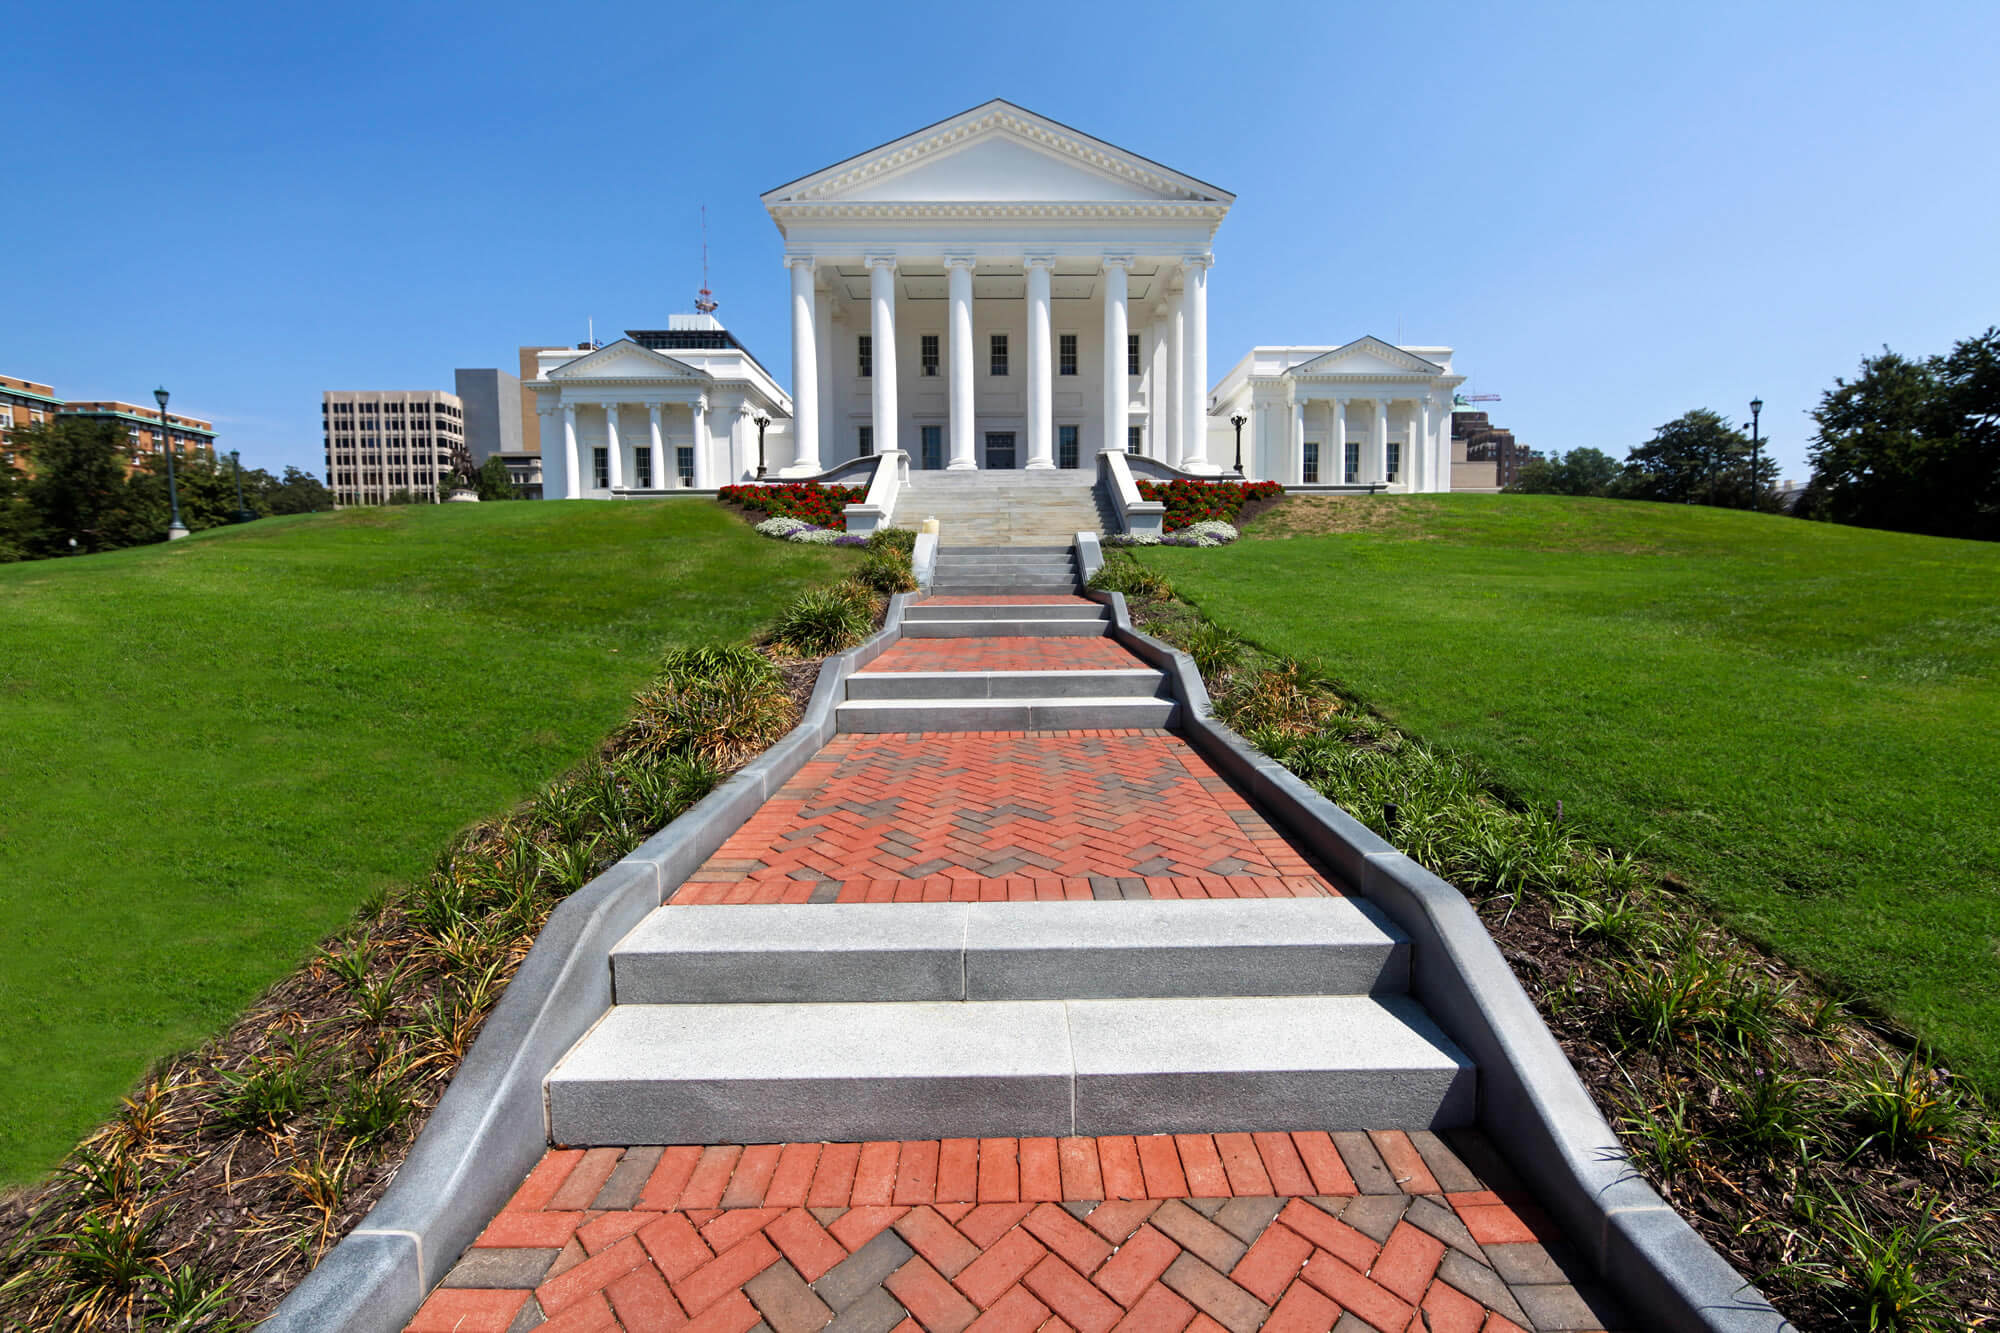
(1052, 712)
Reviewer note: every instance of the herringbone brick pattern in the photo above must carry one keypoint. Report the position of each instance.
(1018, 653)
(998, 816)
(1303, 1231)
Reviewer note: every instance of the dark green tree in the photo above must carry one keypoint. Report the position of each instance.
(207, 490)
(18, 520)
(82, 499)
(1579, 472)
(1913, 445)
(295, 493)
(1697, 458)
(494, 483)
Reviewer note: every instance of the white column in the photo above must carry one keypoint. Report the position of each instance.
(1380, 442)
(1421, 416)
(573, 475)
(823, 344)
(1117, 382)
(882, 329)
(1176, 380)
(613, 451)
(1194, 429)
(699, 407)
(1158, 395)
(1299, 441)
(1338, 472)
(655, 453)
(1041, 368)
(805, 367)
(958, 275)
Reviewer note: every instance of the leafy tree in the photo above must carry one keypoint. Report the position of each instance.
(79, 491)
(1913, 445)
(296, 493)
(18, 520)
(1697, 458)
(1579, 472)
(207, 490)
(493, 481)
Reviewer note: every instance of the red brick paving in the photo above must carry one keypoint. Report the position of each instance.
(895, 1235)
(999, 816)
(1015, 653)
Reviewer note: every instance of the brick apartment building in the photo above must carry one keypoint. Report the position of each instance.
(25, 403)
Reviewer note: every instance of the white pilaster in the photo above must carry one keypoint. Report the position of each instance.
(1176, 380)
(1041, 366)
(699, 407)
(1422, 417)
(743, 443)
(1380, 444)
(613, 451)
(823, 344)
(882, 328)
(1338, 471)
(552, 482)
(958, 275)
(1159, 392)
(1296, 468)
(655, 450)
(573, 475)
(1117, 382)
(805, 367)
(1194, 429)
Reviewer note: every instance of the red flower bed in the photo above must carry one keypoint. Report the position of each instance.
(807, 501)
(1195, 501)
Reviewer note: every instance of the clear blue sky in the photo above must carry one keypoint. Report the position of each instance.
(1614, 212)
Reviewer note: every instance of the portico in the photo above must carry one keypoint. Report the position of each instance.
(998, 291)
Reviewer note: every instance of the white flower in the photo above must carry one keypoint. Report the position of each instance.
(1210, 532)
(782, 527)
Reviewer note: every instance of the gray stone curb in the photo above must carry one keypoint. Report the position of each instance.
(489, 1129)
(1531, 1102)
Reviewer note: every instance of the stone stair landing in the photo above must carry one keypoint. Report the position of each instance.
(1004, 508)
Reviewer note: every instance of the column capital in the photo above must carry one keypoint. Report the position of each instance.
(879, 261)
(960, 261)
(700, 403)
(801, 261)
(653, 411)
(1045, 261)
(569, 409)
(1198, 261)
(1117, 261)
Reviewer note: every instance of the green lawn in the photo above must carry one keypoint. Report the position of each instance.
(212, 752)
(1800, 720)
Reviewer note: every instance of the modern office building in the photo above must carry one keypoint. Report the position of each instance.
(492, 402)
(381, 441)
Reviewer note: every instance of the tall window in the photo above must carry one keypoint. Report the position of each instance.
(1395, 461)
(600, 464)
(864, 355)
(642, 469)
(1066, 354)
(933, 447)
(1309, 464)
(1131, 354)
(867, 441)
(1066, 450)
(998, 342)
(1135, 439)
(1351, 465)
(928, 354)
(684, 463)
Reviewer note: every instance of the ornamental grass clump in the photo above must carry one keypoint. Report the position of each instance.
(1121, 573)
(719, 703)
(826, 620)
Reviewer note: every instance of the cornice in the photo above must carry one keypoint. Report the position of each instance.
(990, 212)
(1069, 146)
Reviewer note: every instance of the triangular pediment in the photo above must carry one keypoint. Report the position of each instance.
(625, 360)
(1368, 356)
(997, 153)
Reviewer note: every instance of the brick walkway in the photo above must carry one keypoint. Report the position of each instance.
(1013, 654)
(1304, 1231)
(997, 816)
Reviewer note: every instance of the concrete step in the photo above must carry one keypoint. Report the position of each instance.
(1136, 683)
(1024, 559)
(1033, 713)
(975, 626)
(1005, 588)
(774, 1073)
(900, 952)
(1006, 611)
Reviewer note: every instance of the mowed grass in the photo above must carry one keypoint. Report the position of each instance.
(1801, 721)
(211, 753)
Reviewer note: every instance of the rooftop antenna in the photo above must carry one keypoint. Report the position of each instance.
(590, 327)
(704, 300)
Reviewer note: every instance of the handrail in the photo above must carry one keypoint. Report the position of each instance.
(878, 509)
(1135, 514)
(1154, 469)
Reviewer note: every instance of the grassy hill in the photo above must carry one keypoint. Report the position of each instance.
(1799, 720)
(213, 751)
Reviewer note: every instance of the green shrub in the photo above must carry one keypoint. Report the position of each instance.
(719, 704)
(826, 620)
(886, 573)
(1121, 573)
(893, 539)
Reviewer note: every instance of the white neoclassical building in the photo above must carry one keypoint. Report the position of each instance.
(994, 291)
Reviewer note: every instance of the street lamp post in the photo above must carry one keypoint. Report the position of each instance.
(1237, 421)
(1756, 410)
(762, 421)
(243, 514)
(175, 528)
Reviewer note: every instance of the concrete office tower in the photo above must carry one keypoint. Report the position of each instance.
(492, 401)
(380, 441)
